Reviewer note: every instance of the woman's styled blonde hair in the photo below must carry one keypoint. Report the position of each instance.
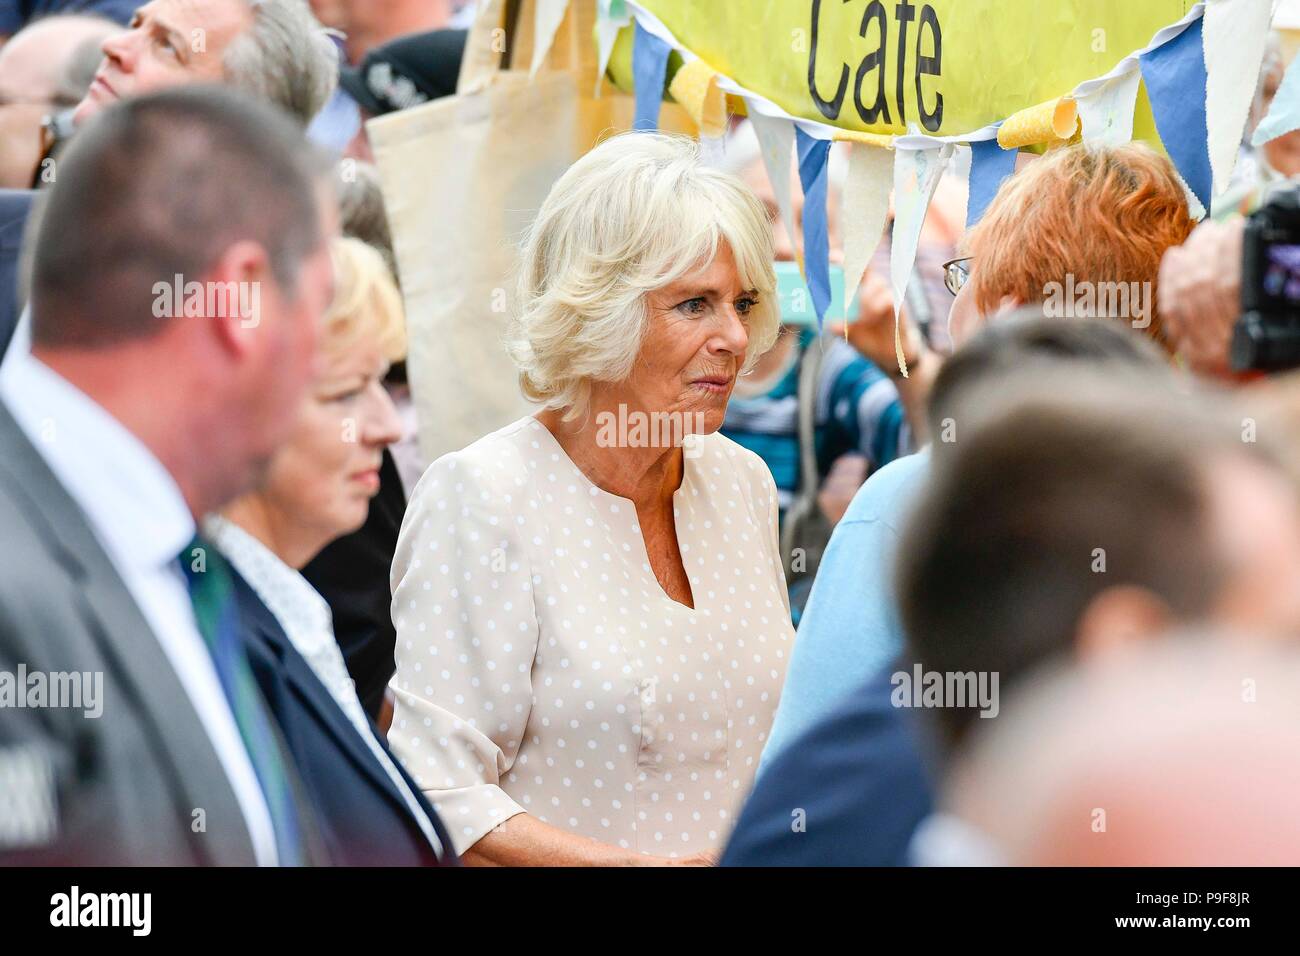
(635, 214)
(366, 302)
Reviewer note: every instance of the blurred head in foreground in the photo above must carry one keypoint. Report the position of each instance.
(1074, 511)
(196, 325)
(1183, 752)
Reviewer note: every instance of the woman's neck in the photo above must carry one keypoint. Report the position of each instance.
(646, 476)
(254, 515)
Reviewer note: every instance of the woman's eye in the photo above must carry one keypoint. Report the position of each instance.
(692, 306)
(743, 306)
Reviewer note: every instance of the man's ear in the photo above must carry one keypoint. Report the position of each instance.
(1120, 617)
(241, 277)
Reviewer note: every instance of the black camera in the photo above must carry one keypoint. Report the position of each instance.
(1267, 337)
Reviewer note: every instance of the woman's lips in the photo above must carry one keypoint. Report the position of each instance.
(369, 479)
(714, 385)
(101, 86)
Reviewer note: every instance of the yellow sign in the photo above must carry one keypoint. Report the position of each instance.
(943, 67)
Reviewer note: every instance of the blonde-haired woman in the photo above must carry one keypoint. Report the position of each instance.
(591, 613)
(317, 488)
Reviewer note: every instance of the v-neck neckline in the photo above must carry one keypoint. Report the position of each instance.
(678, 496)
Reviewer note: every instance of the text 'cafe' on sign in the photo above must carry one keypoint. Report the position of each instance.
(941, 67)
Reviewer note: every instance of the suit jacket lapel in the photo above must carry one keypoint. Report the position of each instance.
(126, 638)
(304, 682)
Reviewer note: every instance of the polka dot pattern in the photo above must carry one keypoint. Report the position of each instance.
(542, 669)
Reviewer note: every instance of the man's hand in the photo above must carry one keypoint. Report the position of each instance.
(1200, 295)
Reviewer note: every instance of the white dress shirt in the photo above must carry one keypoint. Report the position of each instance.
(309, 625)
(139, 516)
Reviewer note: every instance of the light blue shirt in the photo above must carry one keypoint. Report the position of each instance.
(337, 122)
(850, 628)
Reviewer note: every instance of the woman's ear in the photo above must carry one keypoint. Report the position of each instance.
(1120, 617)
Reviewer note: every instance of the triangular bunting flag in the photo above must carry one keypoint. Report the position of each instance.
(611, 17)
(1175, 77)
(865, 205)
(1107, 110)
(916, 176)
(649, 68)
(1236, 35)
(813, 154)
(776, 144)
(547, 18)
(990, 166)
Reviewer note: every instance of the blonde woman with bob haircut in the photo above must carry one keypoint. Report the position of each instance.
(318, 488)
(591, 614)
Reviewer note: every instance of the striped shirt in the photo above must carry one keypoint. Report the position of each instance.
(858, 410)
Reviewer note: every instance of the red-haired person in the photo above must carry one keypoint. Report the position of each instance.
(1081, 231)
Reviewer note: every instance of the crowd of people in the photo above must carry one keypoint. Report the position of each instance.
(738, 592)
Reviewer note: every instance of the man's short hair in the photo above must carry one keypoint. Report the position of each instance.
(156, 187)
(1001, 350)
(1058, 486)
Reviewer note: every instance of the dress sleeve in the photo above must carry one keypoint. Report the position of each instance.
(466, 639)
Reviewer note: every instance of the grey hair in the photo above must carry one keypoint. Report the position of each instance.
(286, 58)
(633, 215)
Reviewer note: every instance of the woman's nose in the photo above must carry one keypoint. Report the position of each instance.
(733, 336)
(382, 425)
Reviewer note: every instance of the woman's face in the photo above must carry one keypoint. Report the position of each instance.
(693, 349)
(322, 480)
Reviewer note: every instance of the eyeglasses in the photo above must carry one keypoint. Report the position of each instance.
(956, 272)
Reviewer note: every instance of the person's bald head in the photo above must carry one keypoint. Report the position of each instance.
(36, 62)
(1182, 753)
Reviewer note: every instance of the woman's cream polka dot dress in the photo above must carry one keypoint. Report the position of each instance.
(542, 669)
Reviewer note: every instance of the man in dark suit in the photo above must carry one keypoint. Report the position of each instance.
(366, 817)
(131, 417)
